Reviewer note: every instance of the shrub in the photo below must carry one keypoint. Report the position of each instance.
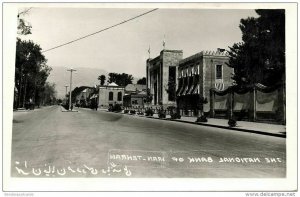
(201, 119)
(126, 111)
(162, 113)
(174, 112)
(140, 113)
(232, 122)
(175, 116)
(132, 111)
(149, 112)
(117, 108)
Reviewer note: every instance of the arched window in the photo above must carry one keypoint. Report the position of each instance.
(111, 96)
(119, 96)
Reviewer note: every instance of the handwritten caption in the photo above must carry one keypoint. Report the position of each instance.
(52, 171)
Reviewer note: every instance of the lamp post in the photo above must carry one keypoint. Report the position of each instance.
(70, 96)
(66, 90)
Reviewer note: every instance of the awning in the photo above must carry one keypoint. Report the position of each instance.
(181, 91)
(192, 88)
(185, 90)
(189, 91)
(179, 86)
(94, 96)
(196, 89)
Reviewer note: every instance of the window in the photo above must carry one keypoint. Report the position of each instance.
(219, 72)
(119, 96)
(111, 96)
(172, 83)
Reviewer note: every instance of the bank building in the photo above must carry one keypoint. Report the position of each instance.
(193, 77)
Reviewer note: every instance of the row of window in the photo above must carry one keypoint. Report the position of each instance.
(219, 72)
(111, 96)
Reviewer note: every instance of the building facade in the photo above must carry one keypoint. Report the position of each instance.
(135, 95)
(82, 99)
(198, 74)
(110, 94)
(135, 100)
(160, 72)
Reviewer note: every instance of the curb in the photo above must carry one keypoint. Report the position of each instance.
(218, 126)
(234, 128)
(64, 110)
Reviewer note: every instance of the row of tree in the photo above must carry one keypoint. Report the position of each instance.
(31, 72)
(121, 79)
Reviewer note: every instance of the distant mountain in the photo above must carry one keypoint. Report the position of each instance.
(82, 77)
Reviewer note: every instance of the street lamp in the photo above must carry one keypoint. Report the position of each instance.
(70, 96)
(66, 90)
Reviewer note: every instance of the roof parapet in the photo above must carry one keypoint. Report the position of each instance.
(204, 53)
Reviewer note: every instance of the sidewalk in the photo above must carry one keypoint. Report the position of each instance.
(251, 127)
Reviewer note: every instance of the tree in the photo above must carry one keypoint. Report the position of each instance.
(171, 89)
(120, 79)
(102, 79)
(142, 81)
(31, 72)
(48, 94)
(260, 58)
(23, 27)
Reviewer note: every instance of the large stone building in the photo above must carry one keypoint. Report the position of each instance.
(110, 94)
(193, 77)
(160, 71)
(198, 74)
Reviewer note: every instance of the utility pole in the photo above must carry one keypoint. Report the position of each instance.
(70, 96)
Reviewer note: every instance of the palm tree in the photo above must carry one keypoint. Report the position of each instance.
(102, 79)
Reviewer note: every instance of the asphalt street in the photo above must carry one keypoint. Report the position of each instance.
(50, 143)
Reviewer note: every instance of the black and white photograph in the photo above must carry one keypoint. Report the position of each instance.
(155, 91)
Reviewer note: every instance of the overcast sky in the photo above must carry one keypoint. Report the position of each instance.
(125, 48)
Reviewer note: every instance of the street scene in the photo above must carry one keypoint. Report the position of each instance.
(100, 139)
(149, 93)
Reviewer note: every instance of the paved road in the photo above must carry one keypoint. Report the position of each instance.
(49, 142)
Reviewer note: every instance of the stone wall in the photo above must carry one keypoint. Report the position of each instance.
(170, 58)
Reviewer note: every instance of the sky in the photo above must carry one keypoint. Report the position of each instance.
(125, 47)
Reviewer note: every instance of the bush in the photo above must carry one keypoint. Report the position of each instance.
(162, 113)
(140, 113)
(126, 111)
(175, 116)
(132, 111)
(201, 119)
(149, 112)
(174, 112)
(117, 108)
(232, 122)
